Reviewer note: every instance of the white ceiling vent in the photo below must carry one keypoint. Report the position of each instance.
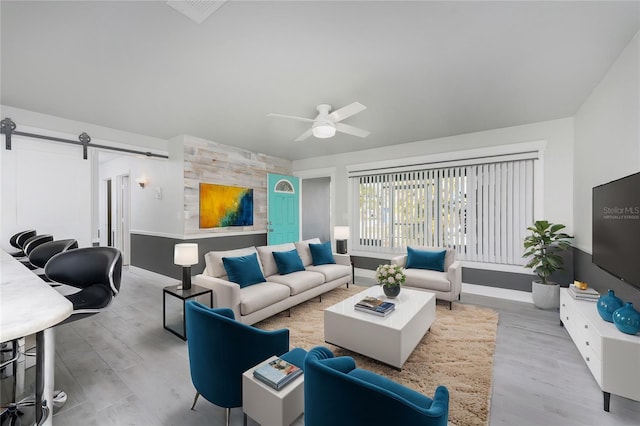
(196, 10)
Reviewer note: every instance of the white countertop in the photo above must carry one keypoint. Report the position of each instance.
(27, 303)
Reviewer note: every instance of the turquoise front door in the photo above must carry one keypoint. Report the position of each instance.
(283, 209)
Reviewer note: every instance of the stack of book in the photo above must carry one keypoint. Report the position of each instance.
(588, 294)
(277, 373)
(375, 306)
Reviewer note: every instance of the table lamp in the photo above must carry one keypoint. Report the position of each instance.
(185, 255)
(341, 234)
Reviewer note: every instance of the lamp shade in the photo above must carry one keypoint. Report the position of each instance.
(185, 254)
(323, 131)
(341, 232)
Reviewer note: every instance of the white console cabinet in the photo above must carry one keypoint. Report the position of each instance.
(612, 356)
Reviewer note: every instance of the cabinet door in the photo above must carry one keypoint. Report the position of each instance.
(568, 313)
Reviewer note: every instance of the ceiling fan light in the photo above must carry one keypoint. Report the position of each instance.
(323, 131)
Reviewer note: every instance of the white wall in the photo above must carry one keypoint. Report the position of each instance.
(607, 136)
(558, 162)
(149, 214)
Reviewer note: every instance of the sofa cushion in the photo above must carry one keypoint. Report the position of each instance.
(288, 261)
(260, 296)
(269, 266)
(321, 253)
(213, 260)
(426, 279)
(331, 271)
(243, 270)
(449, 258)
(300, 281)
(425, 259)
(304, 251)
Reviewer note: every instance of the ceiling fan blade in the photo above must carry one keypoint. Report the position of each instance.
(303, 136)
(347, 111)
(351, 130)
(310, 120)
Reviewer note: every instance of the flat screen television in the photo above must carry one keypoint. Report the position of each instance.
(616, 228)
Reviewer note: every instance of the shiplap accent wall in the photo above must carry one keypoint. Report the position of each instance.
(211, 162)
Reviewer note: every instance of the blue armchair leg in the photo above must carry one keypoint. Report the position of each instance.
(195, 400)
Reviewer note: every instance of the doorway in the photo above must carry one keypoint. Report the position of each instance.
(109, 228)
(115, 215)
(316, 208)
(122, 240)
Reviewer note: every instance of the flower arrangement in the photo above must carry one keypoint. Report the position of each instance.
(390, 275)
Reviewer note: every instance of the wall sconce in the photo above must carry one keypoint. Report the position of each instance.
(142, 181)
(185, 255)
(341, 234)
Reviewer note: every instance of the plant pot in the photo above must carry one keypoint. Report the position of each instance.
(391, 291)
(545, 296)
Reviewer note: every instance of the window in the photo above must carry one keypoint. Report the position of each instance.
(482, 210)
(285, 186)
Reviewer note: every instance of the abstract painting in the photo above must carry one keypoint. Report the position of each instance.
(222, 205)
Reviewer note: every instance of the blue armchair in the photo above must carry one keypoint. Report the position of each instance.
(337, 393)
(221, 349)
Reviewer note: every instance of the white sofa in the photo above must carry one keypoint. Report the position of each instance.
(446, 285)
(280, 292)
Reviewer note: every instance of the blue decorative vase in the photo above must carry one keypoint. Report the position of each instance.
(391, 291)
(627, 319)
(607, 305)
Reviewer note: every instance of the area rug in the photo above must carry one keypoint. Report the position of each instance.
(456, 353)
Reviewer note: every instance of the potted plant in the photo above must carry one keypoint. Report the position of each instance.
(390, 277)
(542, 246)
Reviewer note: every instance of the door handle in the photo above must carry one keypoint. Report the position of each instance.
(269, 229)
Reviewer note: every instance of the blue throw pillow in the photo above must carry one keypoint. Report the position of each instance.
(321, 254)
(243, 270)
(424, 259)
(288, 261)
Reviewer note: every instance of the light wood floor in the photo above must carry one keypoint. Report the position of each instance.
(122, 368)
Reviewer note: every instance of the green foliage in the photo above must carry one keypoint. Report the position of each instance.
(542, 246)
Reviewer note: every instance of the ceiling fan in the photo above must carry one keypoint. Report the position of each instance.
(327, 123)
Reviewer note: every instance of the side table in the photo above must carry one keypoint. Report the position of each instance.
(268, 406)
(180, 329)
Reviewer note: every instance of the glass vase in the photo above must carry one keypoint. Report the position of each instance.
(608, 304)
(627, 319)
(391, 291)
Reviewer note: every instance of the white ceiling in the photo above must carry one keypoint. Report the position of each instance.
(424, 69)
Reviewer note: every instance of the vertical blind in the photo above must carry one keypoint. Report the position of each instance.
(481, 210)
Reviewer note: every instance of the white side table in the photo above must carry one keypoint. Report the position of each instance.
(268, 406)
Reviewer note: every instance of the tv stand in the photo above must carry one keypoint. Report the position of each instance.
(612, 356)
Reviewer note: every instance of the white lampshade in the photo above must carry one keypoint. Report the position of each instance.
(323, 131)
(341, 232)
(185, 254)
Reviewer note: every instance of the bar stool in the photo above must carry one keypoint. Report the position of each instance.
(95, 272)
(40, 255)
(17, 241)
(31, 244)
